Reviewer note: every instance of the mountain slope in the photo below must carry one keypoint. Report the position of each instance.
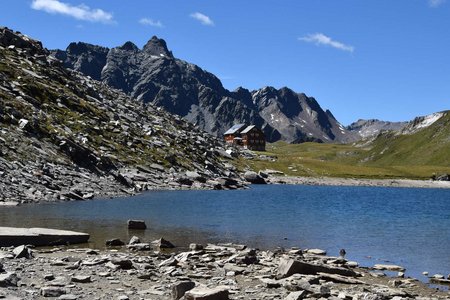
(153, 75)
(66, 136)
(424, 141)
(420, 151)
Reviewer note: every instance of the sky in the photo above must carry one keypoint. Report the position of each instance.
(383, 59)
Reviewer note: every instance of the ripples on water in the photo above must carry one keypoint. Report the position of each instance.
(405, 226)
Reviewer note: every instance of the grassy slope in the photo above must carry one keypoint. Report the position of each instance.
(417, 155)
(429, 146)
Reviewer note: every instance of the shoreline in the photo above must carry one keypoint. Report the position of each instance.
(222, 271)
(332, 181)
(114, 191)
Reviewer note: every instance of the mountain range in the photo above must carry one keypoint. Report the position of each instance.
(65, 135)
(153, 75)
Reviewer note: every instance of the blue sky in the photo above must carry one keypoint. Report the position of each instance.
(385, 59)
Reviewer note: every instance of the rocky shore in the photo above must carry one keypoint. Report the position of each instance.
(214, 272)
(408, 183)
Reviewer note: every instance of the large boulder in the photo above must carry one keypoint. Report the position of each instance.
(217, 293)
(254, 177)
(134, 240)
(162, 243)
(193, 175)
(52, 291)
(442, 177)
(8, 279)
(22, 252)
(180, 288)
(289, 267)
(122, 263)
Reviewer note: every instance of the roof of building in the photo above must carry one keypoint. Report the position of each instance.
(235, 128)
(246, 130)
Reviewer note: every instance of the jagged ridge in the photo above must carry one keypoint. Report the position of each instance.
(154, 75)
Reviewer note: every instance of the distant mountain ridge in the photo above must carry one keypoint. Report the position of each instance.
(423, 141)
(152, 74)
(372, 127)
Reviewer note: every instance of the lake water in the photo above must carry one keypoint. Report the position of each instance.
(405, 226)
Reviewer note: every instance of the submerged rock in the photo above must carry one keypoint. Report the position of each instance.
(114, 242)
(136, 224)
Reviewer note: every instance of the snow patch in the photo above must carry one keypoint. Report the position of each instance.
(429, 120)
(104, 67)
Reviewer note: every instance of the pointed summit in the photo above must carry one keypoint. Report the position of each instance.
(129, 46)
(158, 47)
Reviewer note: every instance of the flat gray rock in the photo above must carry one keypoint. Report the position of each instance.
(217, 293)
(12, 236)
(389, 267)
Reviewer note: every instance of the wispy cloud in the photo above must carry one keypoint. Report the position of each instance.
(204, 19)
(79, 12)
(151, 22)
(436, 3)
(322, 39)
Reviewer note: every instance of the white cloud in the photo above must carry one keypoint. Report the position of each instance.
(204, 19)
(435, 3)
(151, 22)
(322, 39)
(80, 12)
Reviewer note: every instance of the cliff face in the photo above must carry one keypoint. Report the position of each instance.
(153, 75)
(67, 136)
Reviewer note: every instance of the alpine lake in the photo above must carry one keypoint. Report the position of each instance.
(375, 225)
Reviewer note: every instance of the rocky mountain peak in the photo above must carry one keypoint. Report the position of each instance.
(79, 48)
(129, 46)
(10, 38)
(158, 47)
(244, 95)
